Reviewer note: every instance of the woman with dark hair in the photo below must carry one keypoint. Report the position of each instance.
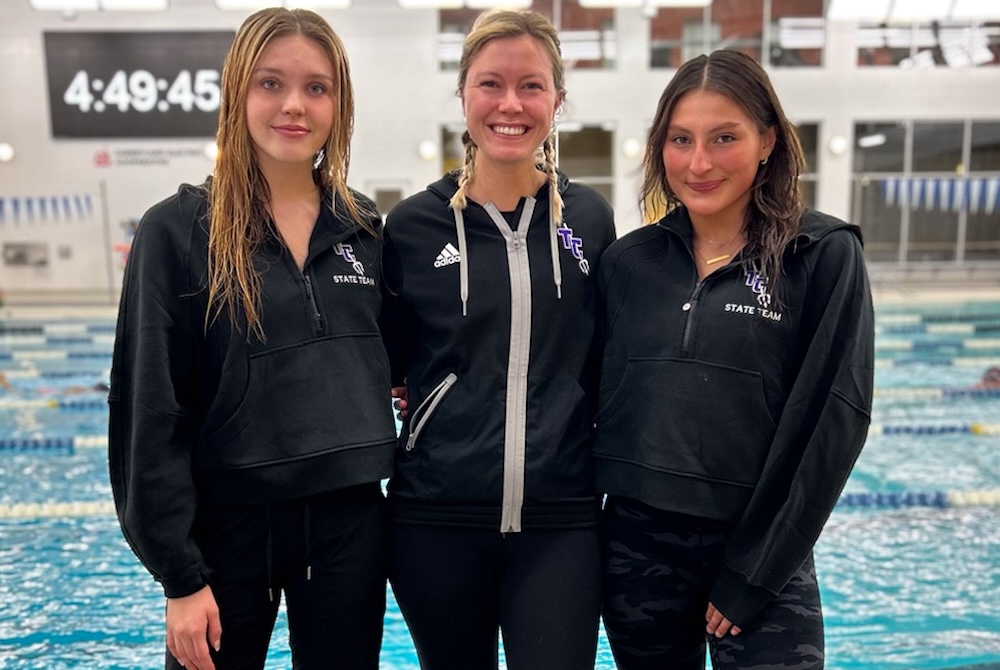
(250, 419)
(490, 320)
(736, 385)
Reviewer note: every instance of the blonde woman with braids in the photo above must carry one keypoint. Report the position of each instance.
(250, 419)
(736, 386)
(489, 319)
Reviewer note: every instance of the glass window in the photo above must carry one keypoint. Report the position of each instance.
(985, 146)
(740, 26)
(674, 37)
(587, 35)
(982, 236)
(933, 234)
(940, 44)
(798, 33)
(807, 189)
(809, 139)
(879, 217)
(585, 155)
(452, 149)
(883, 45)
(878, 147)
(937, 146)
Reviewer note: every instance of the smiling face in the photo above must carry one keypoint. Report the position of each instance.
(711, 156)
(510, 99)
(291, 103)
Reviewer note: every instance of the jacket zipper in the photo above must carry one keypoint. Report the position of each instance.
(425, 411)
(515, 419)
(317, 317)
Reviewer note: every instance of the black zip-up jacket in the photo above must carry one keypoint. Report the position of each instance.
(718, 400)
(503, 397)
(203, 418)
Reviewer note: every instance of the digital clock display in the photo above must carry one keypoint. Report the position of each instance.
(135, 84)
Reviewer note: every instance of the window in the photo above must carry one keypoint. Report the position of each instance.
(585, 156)
(793, 31)
(957, 44)
(915, 198)
(587, 35)
(584, 153)
(808, 134)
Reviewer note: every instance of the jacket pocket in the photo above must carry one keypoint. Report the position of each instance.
(425, 412)
(304, 400)
(689, 418)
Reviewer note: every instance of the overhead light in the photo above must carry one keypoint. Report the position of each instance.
(858, 10)
(129, 5)
(919, 11)
(318, 4)
(976, 9)
(65, 5)
(487, 4)
(430, 4)
(912, 11)
(873, 140)
(6, 152)
(645, 4)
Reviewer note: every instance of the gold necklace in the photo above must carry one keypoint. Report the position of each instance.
(721, 257)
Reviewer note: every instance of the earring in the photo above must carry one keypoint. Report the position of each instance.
(764, 162)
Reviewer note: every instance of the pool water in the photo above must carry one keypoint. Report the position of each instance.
(904, 585)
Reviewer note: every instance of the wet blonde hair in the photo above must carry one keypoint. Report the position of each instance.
(238, 192)
(492, 25)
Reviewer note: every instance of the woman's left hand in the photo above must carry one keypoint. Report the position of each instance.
(718, 624)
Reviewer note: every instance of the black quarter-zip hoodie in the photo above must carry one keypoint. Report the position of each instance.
(721, 401)
(214, 417)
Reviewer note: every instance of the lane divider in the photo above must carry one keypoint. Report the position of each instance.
(934, 429)
(873, 501)
(941, 499)
(48, 510)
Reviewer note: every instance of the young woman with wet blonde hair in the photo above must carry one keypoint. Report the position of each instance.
(489, 320)
(250, 421)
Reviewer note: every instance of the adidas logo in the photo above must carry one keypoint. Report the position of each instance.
(447, 256)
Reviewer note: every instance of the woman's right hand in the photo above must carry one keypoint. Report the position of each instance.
(193, 622)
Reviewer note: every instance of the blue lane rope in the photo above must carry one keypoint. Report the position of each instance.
(939, 499)
(975, 428)
(935, 392)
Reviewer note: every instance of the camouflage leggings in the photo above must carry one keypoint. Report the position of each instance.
(658, 570)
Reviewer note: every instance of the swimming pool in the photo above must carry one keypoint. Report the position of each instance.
(909, 563)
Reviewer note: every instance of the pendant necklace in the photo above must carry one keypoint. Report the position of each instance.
(721, 257)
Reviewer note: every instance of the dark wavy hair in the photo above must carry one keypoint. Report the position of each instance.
(775, 209)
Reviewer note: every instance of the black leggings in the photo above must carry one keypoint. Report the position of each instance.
(658, 570)
(256, 553)
(456, 587)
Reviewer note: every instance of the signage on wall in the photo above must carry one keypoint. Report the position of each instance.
(135, 84)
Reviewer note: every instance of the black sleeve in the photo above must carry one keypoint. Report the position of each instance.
(822, 429)
(396, 321)
(153, 423)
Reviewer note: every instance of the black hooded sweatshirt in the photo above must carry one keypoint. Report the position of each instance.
(720, 400)
(503, 395)
(219, 418)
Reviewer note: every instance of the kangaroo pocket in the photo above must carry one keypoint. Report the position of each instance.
(689, 418)
(306, 400)
(454, 450)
